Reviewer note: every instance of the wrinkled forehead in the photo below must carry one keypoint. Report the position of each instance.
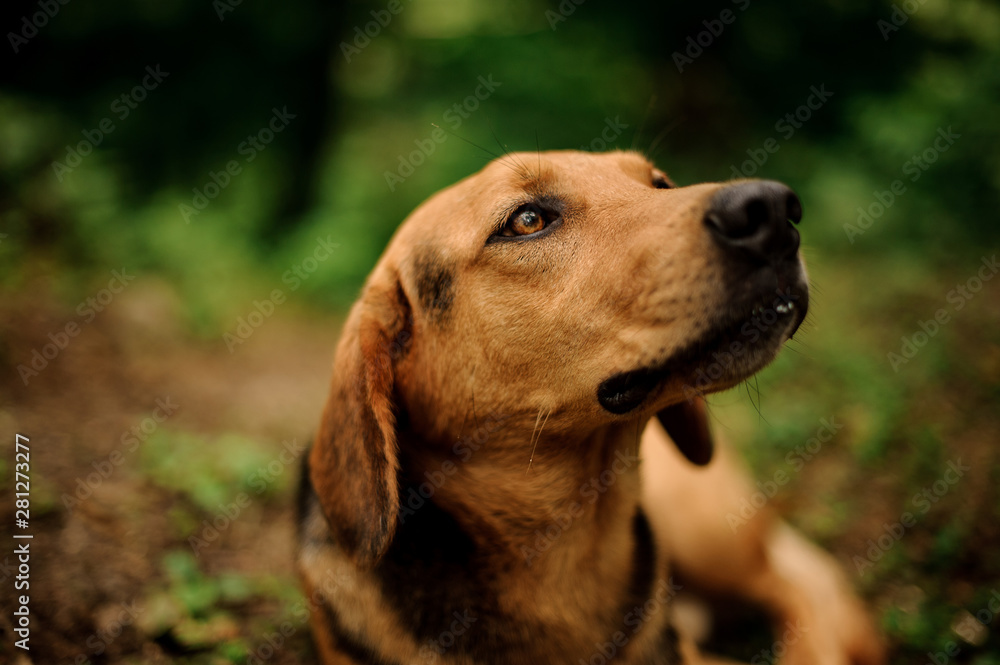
(520, 177)
(579, 172)
(451, 229)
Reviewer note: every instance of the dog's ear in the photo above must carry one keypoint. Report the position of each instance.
(354, 461)
(687, 424)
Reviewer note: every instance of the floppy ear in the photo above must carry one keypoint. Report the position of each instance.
(354, 461)
(687, 424)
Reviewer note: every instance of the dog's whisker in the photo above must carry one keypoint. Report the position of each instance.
(538, 152)
(475, 416)
(758, 405)
(800, 348)
(746, 386)
(531, 457)
(522, 168)
(535, 439)
(662, 135)
(462, 138)
(642, 125)
(476, 145)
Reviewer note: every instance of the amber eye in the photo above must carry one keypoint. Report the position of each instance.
(525, 221)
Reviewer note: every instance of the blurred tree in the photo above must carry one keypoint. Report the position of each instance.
(224, 64)
(699, 87)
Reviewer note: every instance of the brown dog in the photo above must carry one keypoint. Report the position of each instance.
(475, 493)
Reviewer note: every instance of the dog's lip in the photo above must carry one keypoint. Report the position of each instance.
(787, 309)
(626, 390)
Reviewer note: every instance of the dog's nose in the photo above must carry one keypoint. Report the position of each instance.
(755, 219)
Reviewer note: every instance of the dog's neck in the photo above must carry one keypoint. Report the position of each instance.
(567, 532)
(531, 500)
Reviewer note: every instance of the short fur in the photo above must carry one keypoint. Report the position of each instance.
(489, 484)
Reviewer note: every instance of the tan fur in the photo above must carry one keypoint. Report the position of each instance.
(454, 336)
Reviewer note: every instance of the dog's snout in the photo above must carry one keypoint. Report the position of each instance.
(755, 219)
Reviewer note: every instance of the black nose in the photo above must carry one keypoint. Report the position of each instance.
(755, 219)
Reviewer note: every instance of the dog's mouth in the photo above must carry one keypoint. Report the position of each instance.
(744, 338)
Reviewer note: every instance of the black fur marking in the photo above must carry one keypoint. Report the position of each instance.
(434, 576)
(306, 505)
(305, 498)
(671, 645)
(643, 563)
(346, 643)
(435, 284)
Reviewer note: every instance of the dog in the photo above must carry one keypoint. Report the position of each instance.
(514, 460)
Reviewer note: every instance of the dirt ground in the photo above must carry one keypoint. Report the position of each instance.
(92, 565)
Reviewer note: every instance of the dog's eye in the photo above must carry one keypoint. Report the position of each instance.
(526, 220)
(660, 180)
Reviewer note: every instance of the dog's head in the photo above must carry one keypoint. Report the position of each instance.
(586, 287)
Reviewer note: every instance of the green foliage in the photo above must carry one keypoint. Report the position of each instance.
(196, 610)
(213, 473)
(562, 79)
